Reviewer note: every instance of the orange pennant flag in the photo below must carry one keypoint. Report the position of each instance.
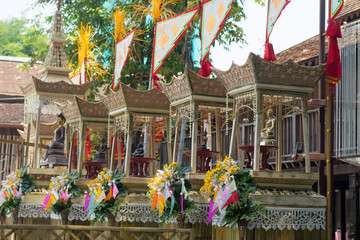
(110, 194)
(155, 200)
(216, 192)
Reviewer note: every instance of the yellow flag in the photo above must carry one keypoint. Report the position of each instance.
(51, 200)
(161, 204)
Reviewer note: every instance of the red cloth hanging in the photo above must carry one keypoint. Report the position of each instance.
(88, 145)
(333, 63)
(269, 53)
(205, 69)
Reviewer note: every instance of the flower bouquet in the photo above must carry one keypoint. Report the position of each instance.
(61, 190)
(12, 190)
(168, 191)
(103, 197)
(228, 188)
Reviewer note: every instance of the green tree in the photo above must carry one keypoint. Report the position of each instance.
(99, 15)
(19, 40)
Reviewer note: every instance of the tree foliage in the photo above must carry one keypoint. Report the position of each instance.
(99, 15)
(19, 40)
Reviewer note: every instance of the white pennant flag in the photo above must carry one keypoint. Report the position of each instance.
(275, 8)
(122, 51)
(213, 16)
(167, 34)
(83, 72)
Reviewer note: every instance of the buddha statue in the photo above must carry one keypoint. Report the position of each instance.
(55, 155)
(267, 133)
(100, 155)
(139, 151)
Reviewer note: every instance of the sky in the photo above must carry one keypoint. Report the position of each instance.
(299, 21)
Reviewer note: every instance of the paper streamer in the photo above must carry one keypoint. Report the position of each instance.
(115, 190)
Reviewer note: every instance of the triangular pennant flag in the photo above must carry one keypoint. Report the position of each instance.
(109, 195)
(172, 203)
(224, 197)
(4, 194)
(213, 15)
(232, 186)
(46, 200)
(211, 211)
(168, 32)
(122, 51)
(275, 7)
(166, 193)
(218, 197)
(216, 192)
(161, 203)
(75, 79)
(233, 198)
(2, 200)
(51, 200)
(155, 201)
(115, 190)
(335, 8)
(102, 196)
(92, 200)
(87, 201)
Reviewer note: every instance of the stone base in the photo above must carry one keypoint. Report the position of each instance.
(55, 160)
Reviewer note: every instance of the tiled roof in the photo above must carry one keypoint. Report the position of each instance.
(11, 77)
(303, 52)
(11, 113)
(350, 11)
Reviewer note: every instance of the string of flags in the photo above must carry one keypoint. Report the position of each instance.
(223, 197)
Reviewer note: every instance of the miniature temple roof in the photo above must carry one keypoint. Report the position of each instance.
(191, 84)
(63, 88)
(128, 99)
(56, 67)
(261, 74)
(80, 108)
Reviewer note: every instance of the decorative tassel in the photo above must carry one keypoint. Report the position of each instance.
(205, 69)
(333, 64)
(269, 54)
(156, 80)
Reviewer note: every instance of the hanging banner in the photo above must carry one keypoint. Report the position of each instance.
(122, 51)
(168, 32)
(213, 15)
(275, 7)
(83, 72)
(76, 79)
(335, 8)
(333, 63)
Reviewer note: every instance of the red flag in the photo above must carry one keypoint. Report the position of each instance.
(233, 198)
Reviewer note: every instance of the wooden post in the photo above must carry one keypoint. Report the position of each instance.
(27, 147)
(70, 150)
(305, 122)
(279, 137)
(256, 160)
(168, 142)
(37, 132)
(238, 142)
(194, 137)
(128, 149)
(176, 140)
(208, 131)
(218, 133)
(233, 134)
(112, 154)
(81, 140)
